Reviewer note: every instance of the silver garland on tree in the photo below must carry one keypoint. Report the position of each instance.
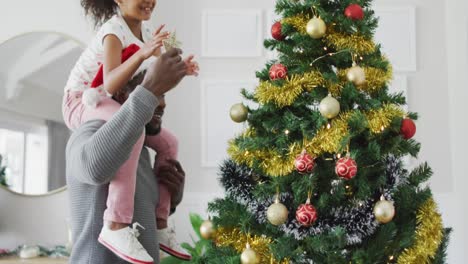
(358, 220)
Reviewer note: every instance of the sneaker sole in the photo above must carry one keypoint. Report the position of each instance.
(121, 255)
(174, 253)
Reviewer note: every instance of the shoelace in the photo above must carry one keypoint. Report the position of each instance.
(132, 236)
(172, 238)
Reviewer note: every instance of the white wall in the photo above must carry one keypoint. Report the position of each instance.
(455, 206)
(437, 91)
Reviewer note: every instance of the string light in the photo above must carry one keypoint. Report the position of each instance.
(329, 55)
(328, 125)
(287, 132)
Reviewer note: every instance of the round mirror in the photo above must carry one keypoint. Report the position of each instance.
(33, 72)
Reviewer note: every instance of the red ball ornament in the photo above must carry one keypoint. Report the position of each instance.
(276, 31)
(278, 71)
(408, 128)
(306, 214)
(355, 12)
(304, 163)
(346, 168)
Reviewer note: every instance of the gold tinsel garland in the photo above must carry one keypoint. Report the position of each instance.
(238, 240)
(381, 118)
(355, 42)
(272, 162)
(429, 234)
(341, 41)
(286, 94)
(376, 79)
(327, 140)
(298, 22)
(293, 87)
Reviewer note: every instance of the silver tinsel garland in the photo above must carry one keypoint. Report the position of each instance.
(358, 221)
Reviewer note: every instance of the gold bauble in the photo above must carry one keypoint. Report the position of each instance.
(356, 75)
(316, 28)
(329, 107)
(239, 113)
(384, 211)
(207, 229)
(249, 256)
(277, 213)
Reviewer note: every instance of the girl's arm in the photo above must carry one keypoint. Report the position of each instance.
(116, 74)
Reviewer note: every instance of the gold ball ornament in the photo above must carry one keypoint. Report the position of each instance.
(207, 230)
(384, 211)
(239, 113)
(277, 213)
(329, 107)
(249, 256)
(316, 28)
(356, 75)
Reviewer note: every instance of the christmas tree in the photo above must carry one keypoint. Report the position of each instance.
(318, 176)
(2, 173)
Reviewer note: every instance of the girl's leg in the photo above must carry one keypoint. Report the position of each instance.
(115, 235)
(166, 146)
(120, 201)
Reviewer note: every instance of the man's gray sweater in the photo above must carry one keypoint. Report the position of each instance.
(94, 153)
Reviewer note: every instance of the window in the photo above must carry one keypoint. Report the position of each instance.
(26, 154)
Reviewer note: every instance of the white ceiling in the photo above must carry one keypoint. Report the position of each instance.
(45, 59)
(33, 66)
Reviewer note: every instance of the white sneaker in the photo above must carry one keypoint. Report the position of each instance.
(124, 243)
(168, 243)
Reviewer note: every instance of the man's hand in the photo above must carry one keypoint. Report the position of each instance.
(165, 73)
(173, 176)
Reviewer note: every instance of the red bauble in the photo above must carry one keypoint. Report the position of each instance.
(346, 168)
(276, 31)
(278, 71)
(306, 214)
(304, 163)
(408, 128)
(354, 11)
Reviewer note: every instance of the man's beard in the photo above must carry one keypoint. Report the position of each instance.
(152, 130)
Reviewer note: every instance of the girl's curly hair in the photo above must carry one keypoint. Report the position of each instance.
(99, 10)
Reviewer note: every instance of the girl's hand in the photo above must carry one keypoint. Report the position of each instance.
(153, 47)
(149, 48)
(192, 66)
(159, 37)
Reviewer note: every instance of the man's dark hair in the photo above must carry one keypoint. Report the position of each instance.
(130, 86)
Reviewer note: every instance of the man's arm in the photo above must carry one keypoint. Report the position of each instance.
(98, 150)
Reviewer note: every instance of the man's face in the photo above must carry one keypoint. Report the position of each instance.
(154, 126)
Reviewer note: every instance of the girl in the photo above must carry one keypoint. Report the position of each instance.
(123, 47)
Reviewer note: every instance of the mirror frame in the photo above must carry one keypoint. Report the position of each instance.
(80, 44)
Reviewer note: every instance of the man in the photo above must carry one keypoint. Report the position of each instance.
(96, 151)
